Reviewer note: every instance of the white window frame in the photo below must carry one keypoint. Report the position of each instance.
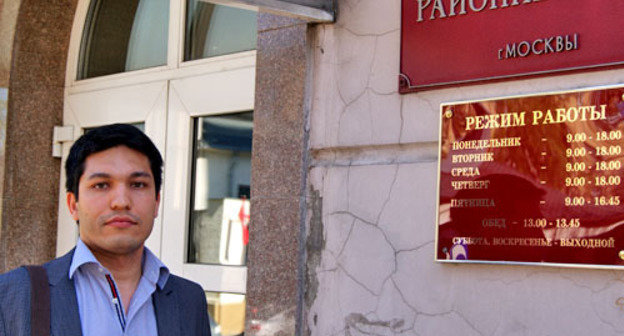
(209, 86)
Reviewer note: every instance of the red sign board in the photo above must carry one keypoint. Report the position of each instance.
(536, 179)
(449, 42)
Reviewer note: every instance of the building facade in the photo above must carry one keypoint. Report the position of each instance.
(342, 177)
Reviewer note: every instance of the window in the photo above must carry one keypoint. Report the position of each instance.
(220, 192)
(197, 114)
(123, 35)
(139, 125)
(213, 30)
(227, 312)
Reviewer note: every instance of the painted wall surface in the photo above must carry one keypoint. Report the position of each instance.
(8, 16)
(372, 205)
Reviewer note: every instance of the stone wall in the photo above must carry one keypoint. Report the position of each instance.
(277, 178)
(35, 106)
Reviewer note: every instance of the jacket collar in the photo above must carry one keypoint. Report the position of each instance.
(58, 269)
(166, 309)
(64, 315)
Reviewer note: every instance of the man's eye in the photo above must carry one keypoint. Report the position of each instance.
(101, 185)
(138, 184)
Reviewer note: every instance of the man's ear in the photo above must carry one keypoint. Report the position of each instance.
(157, 205)
(72, 205)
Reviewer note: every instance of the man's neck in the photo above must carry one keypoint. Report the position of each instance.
(126, 270)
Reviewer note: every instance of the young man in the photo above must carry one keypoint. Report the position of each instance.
(110, 284)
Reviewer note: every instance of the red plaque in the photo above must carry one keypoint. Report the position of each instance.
(535, 179)
(448, 42)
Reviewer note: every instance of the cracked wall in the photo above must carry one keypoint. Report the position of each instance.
(373, 175)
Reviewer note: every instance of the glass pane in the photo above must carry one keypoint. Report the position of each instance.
(220, 195)
(139, 125)
(123, 35)
(213, 30)
(227, 313)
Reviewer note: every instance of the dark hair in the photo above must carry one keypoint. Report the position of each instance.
(106, 137)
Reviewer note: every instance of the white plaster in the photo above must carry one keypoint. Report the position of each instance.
(420, 118)
(329, 108)
(378, 266)
(368, 286)
(335, 190)
(367, 256)
(371, 118)
(369, 188)
(316, 177)
(445, 324)
(383, 75)
(359, 60)
(426, 286)
(406, 219)
(608, 305)
(394, 310)
(338, 227)
(338, 296)
(385, 118)
(370, 17)
(544, 303)
(356, 122)
(353, 54)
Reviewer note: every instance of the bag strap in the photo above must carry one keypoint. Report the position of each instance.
(39, 301)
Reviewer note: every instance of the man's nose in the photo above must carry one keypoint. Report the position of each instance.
(120, 198)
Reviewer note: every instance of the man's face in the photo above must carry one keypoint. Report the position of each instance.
(117, 201)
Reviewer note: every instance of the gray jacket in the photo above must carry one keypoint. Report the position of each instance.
(180, 306)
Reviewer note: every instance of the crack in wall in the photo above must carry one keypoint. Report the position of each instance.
(384, 234)
(604, 287)
(347, 96)
(610, 324)
(354, 279)
(347, 103)
(467, 321)
(429, 242)
(402, 295)
(387, 32)
(344, 243)
(385, 203)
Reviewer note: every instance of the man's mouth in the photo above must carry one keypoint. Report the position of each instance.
(120, 221)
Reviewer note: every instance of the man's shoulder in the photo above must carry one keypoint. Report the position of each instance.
(14, 298)
(17, 277)
(178, 283)
(186, 291)
(59, 268)
(14, 301)
(183, 302)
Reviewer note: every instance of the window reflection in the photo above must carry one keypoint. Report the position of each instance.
(213, 30)
(123, 35)
(220, 194)
(227, 313)
(139, 125)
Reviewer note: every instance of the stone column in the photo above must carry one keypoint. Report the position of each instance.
(35, 106)
(279, 165)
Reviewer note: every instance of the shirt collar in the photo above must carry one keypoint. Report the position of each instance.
(153, 269)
